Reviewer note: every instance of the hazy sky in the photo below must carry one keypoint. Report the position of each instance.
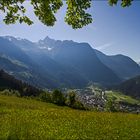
(115, 30)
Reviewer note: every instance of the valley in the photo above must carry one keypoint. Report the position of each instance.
(69, 70)
(69, 66)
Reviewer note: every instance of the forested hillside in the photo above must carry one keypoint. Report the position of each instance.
(9, 82)
(131, 87)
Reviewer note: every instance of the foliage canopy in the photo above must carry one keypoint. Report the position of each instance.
(76, 14)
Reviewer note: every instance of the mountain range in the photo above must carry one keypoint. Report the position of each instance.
(52, 63)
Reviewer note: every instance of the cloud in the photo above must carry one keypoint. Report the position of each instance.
(104, 46)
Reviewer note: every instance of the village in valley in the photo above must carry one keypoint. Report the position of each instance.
(99, 99)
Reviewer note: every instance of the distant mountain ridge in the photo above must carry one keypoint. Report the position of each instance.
(52, 63)
(138, 63)
(122, 65)
(83, 58)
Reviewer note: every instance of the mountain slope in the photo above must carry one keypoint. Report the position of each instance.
(139, 63)
(52, 63)
(43, 70)
(9, 82)
(131, 87)
(31, 74)
(8, 48)
(81, 57)
(122, 65)
(16, 61)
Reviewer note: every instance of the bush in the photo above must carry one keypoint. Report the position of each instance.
(71, 99)
(10, 92)
(58, 97)
(73, 102)
(78, 105)
(110, 106)
(46, 97)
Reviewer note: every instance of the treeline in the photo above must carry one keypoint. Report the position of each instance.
(61, 99)
(11, 86)
(55, 97)
(9, 82)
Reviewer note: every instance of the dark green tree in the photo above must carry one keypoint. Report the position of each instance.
(73, 102)
(110, 106)
(46, 97)
(71, 99)
(45, 10)
(58, 97)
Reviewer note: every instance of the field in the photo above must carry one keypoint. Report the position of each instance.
(117, 97)
(25, 119)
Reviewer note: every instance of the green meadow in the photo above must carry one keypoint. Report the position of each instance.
(120, 97)
(24, 118)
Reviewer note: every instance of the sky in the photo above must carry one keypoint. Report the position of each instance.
(115, 30)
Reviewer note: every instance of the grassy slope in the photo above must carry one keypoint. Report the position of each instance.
(29, 119)
(117, 96)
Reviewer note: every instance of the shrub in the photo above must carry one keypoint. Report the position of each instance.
(78, 105)
(71, 99)
(46, 97)
(73, 102)
(58, 97)
(10, 92)
(110, 106)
